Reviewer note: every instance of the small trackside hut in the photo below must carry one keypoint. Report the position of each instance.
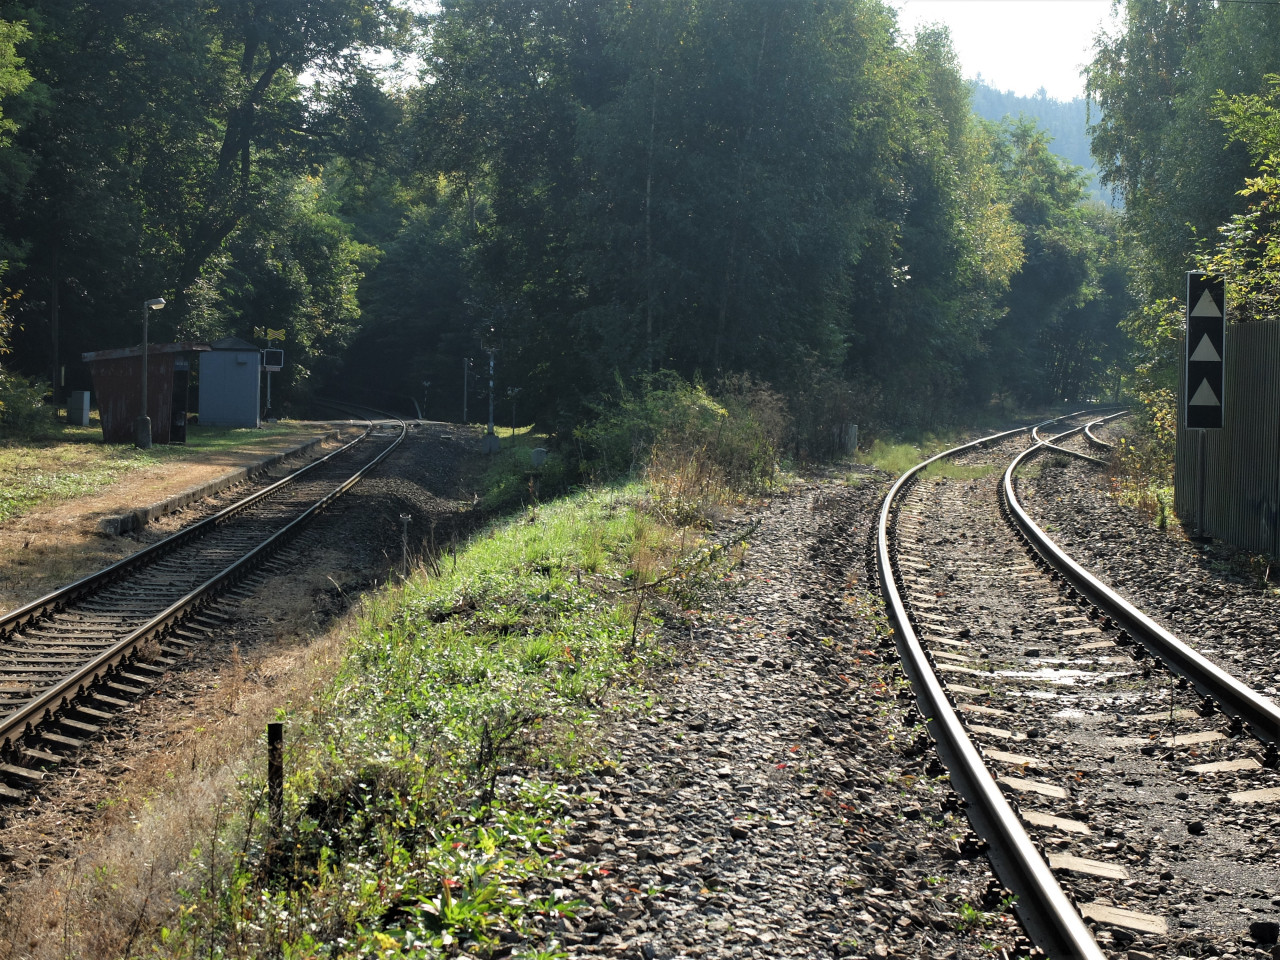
(117, 383)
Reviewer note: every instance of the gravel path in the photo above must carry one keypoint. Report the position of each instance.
(779, 800)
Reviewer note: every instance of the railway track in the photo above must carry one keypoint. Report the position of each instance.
(71, 660)
(1126, 785)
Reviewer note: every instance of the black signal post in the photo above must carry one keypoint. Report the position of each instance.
(1206, 346)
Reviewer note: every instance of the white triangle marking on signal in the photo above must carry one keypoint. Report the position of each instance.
(1205, 397)
(1205, 351)
(1206, 307)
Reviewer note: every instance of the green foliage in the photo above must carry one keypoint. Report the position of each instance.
(1067, 121)
(13, 78)
(195, 146)
(23, 412)
(1060, 337)
(944, 246)
(1247, 254)
(22, 409)
(1156, 80)
(786, 191)
(1142, 464)
(773, 189)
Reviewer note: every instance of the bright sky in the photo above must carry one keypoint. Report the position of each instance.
(1018, 45)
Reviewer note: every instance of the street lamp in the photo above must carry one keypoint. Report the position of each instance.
(489, 343)
(142, 426)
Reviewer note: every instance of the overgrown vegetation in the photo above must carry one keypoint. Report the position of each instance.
(22, 409)
(794, 192)
(694, 448)
(425, 795)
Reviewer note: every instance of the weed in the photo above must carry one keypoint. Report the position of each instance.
(971, 918)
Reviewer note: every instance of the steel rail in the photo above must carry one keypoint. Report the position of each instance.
(1073, 453)
(1094, 439)
(1235, 698)
(1044, 909)
(56, 600)
(19, 723)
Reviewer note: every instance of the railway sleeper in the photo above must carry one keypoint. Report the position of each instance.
(21, 774)
(127, 689)
(61, 740)
(78, 726)
(92, 712)
(109, 700)
(41, 756)
(135, 678)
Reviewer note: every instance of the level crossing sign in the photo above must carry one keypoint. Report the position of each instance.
(1206, 346)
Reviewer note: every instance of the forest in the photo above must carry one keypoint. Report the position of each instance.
(791, 194)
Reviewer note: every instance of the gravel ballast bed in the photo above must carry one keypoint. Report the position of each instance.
(1206, 593)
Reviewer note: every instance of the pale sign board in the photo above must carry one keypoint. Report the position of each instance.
(1205, 349)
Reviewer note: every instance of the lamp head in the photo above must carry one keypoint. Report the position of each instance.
(156, 304)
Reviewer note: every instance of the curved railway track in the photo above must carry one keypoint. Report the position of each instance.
(71, 659)
(1110, 767)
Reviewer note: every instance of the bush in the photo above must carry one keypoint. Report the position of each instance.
(695, 448)
(510, 482)
(22, 408)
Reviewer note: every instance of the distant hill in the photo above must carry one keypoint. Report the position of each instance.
(1066, 121)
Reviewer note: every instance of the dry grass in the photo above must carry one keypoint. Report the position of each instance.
(687, 486)
(127, 884)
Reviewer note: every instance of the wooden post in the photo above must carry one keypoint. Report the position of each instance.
(275, 787)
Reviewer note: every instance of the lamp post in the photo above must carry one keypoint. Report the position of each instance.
(142, 426)
(489, 343)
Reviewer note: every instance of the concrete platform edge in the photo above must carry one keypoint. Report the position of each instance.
(123, 523)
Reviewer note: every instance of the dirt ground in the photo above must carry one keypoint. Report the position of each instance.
(277, 641)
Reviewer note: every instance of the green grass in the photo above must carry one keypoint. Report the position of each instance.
(897, 457)
(76, 461)
(427, 799)
(959, 471)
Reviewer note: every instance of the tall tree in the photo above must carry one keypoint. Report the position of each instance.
(1155, 137)
(14, 78)
(1059, 275)
(158, 131)
(943, 247)
(728, 183)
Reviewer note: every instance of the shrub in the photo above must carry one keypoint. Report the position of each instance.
(693, 444)
(22, 409)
